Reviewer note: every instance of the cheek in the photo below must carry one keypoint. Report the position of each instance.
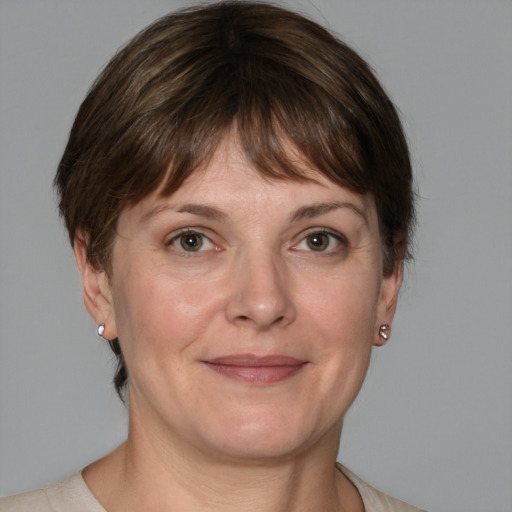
(344, 304)
(340, 318)
(155, 312)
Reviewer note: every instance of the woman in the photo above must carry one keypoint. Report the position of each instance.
(237, 189)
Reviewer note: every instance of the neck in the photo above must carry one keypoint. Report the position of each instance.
(155, 473)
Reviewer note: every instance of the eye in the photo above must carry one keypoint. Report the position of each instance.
(320, 241)
(192, 241)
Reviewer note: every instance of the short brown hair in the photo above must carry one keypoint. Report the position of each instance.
(162, 105)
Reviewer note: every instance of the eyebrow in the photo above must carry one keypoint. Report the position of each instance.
(212, 213)
(201, 210)
(317, 209)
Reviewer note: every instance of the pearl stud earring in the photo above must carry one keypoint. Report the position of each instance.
(384, 331)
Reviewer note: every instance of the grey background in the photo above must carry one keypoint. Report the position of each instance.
(433, 423)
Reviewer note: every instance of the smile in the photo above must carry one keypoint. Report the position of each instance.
(256, 370)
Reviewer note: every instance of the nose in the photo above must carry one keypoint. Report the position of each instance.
(260, 293)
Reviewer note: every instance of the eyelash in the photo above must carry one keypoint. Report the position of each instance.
(191, 232)
(339, 240)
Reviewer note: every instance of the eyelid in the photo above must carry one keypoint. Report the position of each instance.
(173, 237)
(340, 238)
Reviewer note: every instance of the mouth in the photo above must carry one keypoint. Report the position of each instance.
(256, 370)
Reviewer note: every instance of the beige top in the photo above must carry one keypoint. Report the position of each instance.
(73, 495)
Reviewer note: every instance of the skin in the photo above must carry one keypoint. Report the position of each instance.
(281, 268)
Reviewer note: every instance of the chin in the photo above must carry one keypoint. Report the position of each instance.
(263, 438)
(260, 448)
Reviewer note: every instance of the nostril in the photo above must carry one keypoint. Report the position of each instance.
(260, 323)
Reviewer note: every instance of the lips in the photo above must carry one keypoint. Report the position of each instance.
(255, 369)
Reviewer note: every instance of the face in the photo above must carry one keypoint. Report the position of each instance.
(246, 308)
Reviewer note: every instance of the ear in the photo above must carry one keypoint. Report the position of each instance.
(386, 306)
(96, 289)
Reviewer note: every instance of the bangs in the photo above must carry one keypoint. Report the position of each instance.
(284, 125)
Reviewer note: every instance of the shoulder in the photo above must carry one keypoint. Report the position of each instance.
(35, 501)
(71, 495)
(375, 500)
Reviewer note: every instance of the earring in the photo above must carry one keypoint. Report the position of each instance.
(384, 331)
(101, 330)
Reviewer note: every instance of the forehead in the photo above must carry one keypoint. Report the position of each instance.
(230, 169)
(229, 185)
